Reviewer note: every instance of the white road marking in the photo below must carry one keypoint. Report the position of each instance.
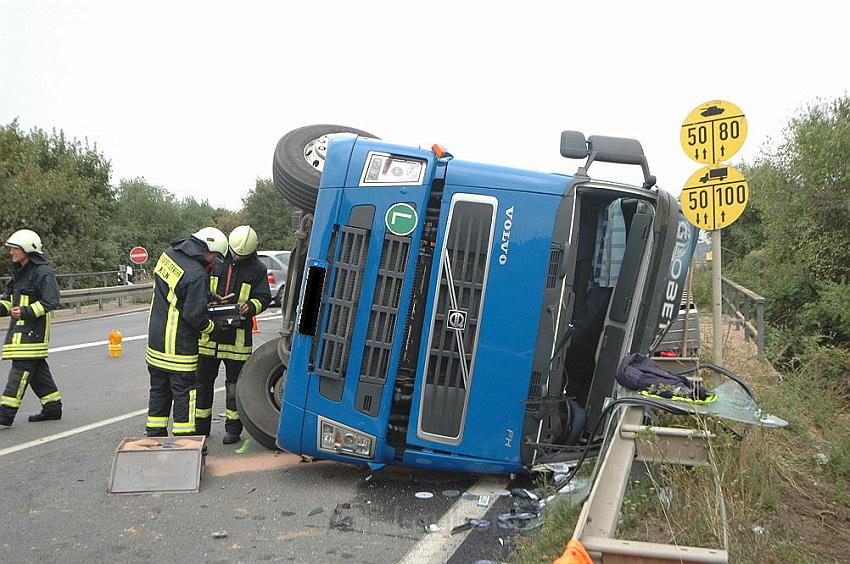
(93, 344)
(78, 430)
(133, 338)
(439, 547)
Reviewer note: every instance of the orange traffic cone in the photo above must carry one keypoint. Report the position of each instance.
(255, 328)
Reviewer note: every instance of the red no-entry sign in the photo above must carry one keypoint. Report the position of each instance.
(138, 255)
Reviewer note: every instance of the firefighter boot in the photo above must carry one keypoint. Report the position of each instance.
(50, 412)
(230, 438)
(6, 419)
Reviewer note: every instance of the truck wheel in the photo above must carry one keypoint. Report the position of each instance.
(259, 392)
(299, 159)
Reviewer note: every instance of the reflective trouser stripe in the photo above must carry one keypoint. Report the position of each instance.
(202, 413)
(231, 414)
(10, 402)
(50, 398)
(15, 401)
(188, 427)
(157, 422)
(23, 385)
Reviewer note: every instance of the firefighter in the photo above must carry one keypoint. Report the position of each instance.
(178, 317)
(241, 279)
(30, 297)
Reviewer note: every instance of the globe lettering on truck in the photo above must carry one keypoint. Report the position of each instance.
(410, 338)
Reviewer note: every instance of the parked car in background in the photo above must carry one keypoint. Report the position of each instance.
(277, 265)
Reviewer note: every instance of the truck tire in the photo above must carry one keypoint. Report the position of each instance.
(258, 393)
(298, 161)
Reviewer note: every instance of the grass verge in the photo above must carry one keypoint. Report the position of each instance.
(785, 492)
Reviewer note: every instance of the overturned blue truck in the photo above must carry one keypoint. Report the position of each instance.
(447, 314)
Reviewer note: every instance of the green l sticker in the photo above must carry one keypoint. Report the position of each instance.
(401, 219)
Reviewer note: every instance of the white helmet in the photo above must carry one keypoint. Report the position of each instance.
(243, 240)
(25, 239)
(214, 239)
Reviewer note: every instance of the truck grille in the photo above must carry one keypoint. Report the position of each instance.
(454, 326)
(341, 303)
(382, 322)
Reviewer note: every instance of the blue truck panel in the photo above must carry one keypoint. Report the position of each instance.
(430, 345)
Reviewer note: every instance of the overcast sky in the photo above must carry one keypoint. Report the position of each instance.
(193, 96)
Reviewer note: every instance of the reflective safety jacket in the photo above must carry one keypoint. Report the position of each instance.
(178, 315)
(248, 281)
(33, 288)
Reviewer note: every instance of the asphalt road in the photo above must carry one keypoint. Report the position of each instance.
(271, 505)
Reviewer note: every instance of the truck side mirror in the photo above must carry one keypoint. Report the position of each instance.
(617, 150)
(573, 145)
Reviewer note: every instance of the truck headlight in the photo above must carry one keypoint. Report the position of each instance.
(384, 169)
(337, 438)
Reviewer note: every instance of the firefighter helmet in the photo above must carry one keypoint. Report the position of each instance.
(214, 240)
(243, 240)
(25, 239)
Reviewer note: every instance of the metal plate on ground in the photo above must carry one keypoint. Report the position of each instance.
(157, 464)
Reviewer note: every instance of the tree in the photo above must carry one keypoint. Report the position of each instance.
(264, 209)
(60, 189)
(795, 247)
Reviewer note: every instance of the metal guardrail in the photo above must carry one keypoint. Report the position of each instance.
(102, 278)
(77, 297)
(738, 302)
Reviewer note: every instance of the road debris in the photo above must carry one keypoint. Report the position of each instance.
(451, 493)
(243, 448)
(483, 501)
(341, 518)
(287, 513)
(470, 523)
(433, 528)
(424, 495)
(316, 511)
(219, 534)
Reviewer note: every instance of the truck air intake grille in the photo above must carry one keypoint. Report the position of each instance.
(341, 303)
(382, 321)
(454, 327)
(379, 336)
(535, 391)
(555, 257)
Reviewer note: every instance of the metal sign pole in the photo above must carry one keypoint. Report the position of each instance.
(716, 299)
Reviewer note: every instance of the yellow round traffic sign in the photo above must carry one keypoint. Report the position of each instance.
(713, 132)
(715, 196)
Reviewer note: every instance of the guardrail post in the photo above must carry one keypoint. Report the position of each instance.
(746, 317)
(760, 325)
